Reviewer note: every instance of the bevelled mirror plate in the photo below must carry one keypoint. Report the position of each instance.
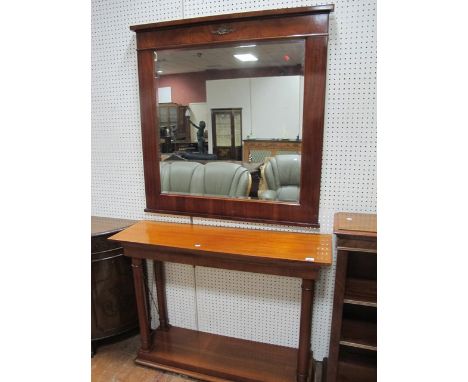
(230, 120)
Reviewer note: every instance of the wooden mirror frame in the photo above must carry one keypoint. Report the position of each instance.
(308, 23)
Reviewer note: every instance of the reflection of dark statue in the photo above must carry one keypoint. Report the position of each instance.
(200, 135)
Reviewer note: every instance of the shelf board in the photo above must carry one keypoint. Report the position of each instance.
(358, 345)
(361, 291)
(213, 357)
(349, 372)
(358, 302)
(360, 334)
(355, 367)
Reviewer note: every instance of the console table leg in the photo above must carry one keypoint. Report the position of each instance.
(158, 268)
(142, 307)
(303, 355)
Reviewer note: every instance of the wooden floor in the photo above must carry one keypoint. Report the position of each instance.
(114, 363)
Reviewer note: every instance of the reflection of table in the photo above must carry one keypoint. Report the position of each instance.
(213, 357)
(168, 146)
(259, 149)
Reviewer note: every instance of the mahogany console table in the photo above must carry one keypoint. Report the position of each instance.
(213, 357)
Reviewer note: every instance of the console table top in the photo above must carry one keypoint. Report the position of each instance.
(274, 245)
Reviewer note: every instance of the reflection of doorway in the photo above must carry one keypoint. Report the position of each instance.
(227, 133)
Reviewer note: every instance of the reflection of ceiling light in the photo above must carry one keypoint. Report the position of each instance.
(159, 71)
(246, 57)
(246, 46)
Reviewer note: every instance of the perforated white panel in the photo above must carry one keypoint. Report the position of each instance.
(117, 161)
(264, 308)
(273, 300)
(180, 295)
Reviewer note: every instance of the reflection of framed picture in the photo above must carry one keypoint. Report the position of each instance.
(165, 94)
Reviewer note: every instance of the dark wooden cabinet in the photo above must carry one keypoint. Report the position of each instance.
(353, 341)
(113, 306)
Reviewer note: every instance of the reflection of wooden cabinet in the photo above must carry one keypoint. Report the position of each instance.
(172, 122)
(353, 341)
(227, 133)
(256, 150)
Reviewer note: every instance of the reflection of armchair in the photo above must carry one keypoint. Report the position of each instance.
(282, 175)
(214, 178)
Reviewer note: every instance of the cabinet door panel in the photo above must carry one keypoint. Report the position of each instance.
(113, 301)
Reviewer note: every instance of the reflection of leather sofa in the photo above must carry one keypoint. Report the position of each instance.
(214, 178)
(282, 175)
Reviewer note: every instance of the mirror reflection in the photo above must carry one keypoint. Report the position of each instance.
(230, 120)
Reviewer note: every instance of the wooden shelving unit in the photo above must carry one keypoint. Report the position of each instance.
(353, 341)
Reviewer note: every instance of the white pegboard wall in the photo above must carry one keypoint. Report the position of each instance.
(236, 295)
(180, 292)
(198, 8)
(117, 161)
(348, 169)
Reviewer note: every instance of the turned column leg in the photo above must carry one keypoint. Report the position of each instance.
(303, 354)
(158, 268)
(142, 306)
